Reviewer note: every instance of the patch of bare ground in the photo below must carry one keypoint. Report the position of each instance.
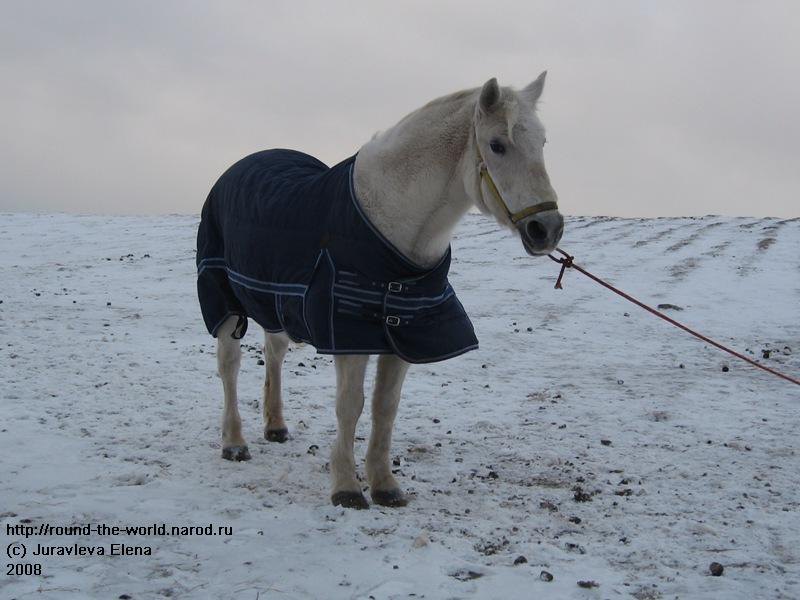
(770, 233)
(765, 243)
(693, 237)
(683, 268)
(656, 236)
(597, 221)
(717, 249)
(750, 225)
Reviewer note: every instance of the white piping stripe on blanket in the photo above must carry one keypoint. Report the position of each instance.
(289, 289)
(296, 286)
(270, 288)
(443, 296)
(412, 308)
(330, 308)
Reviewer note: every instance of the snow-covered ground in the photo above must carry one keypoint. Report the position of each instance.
(111, 410)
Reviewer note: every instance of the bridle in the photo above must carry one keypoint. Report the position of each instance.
(514, 217)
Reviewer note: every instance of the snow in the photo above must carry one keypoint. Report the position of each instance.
(112, 412)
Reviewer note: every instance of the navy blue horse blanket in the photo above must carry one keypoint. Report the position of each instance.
(284, 241)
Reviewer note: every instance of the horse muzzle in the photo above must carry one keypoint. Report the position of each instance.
(541, 233)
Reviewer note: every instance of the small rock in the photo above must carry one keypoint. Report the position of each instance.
(620, 381)
(765, 353)
(576, 520)
(466, 574)
(580, 495)
(573, 547)
(260, 361)
(547, 505)
(124, 597)
(530, 328)
(588, 584)
(520, 560)
(725, 368)
(546, 576)
(716, 569)
(680, 366)
(605, 442)
(109, 304)
(669, 307)
(436, 420)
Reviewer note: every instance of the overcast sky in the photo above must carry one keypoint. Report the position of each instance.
(652, 107)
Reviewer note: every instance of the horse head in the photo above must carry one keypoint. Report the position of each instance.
(514, 186)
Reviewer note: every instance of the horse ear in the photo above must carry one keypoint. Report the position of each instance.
(534, 90)
(490, 96)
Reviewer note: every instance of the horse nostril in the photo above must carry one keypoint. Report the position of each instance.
(536, 231)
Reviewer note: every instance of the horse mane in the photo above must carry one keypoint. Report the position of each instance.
(448, 98)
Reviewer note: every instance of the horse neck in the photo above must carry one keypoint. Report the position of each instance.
(410, 178)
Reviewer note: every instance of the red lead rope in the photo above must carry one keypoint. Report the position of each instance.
(566, 262)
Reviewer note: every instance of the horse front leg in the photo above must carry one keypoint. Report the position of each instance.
(386, 397)
(350, 371)
(229, 358)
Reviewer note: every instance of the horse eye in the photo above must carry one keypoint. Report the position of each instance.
(497, 147)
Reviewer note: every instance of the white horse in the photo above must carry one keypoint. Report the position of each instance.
(481, 147)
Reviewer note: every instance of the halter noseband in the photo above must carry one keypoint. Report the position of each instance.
(519, 215)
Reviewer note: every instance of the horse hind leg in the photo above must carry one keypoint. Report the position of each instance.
(275, 346)
(229, 358)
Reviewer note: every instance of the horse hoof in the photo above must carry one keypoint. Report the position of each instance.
(237, 453)
(277, 435)
(350, 500)
(392, 498)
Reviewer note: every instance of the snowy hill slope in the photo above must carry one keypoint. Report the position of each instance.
(111, 411)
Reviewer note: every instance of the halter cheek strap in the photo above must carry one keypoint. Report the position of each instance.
(519, 215)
